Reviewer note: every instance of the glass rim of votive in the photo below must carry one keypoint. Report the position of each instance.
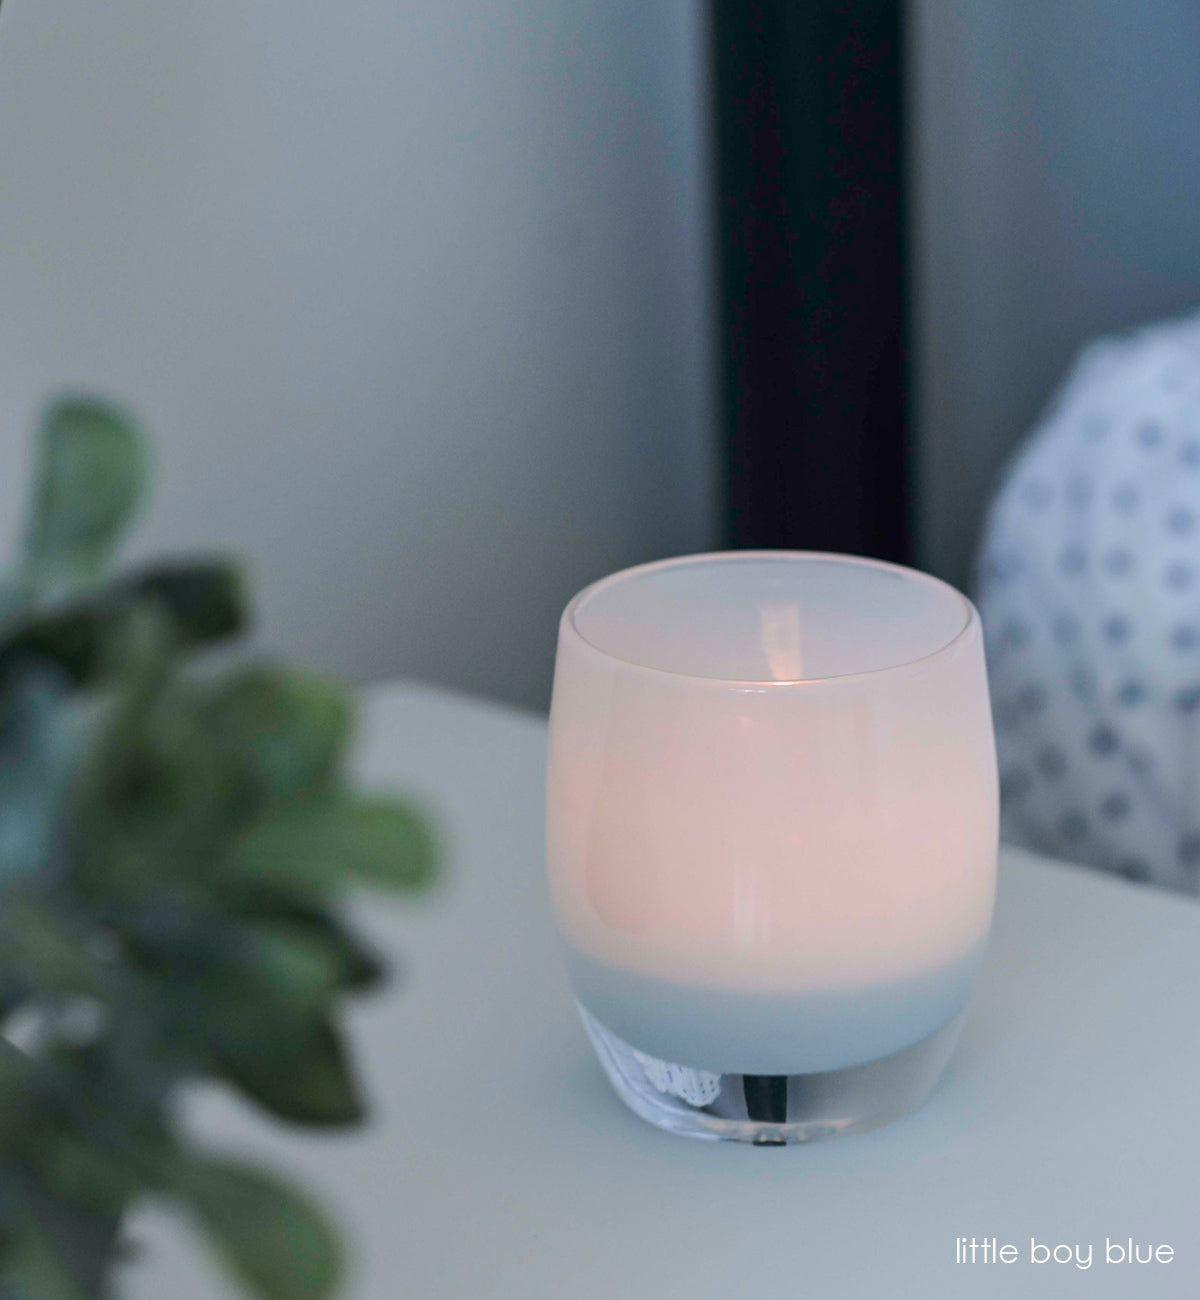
(969, 626)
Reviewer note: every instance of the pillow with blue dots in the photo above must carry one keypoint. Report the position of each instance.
(1088, 585)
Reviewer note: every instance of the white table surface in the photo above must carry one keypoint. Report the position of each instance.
(499, 1164)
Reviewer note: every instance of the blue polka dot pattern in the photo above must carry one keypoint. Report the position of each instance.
(1073, 560)
(1134, 869)
(1179, 575)
(1181, 520)
(1130, 692)
(1002, 568)
(1102, 742)
(1094, 427)
(1051, 762)
(1089, 590)
(1073, 827)
(1149, 434)
(1189, 851)
(1065, 629)
(1005, 715)
(1014, 783)
(1115, 806)
(1031, 699)
(1083, 684)
(1119, 561)
(1116, 628)
(1015, 634)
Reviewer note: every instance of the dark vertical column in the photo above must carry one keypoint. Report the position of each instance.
(810, 219)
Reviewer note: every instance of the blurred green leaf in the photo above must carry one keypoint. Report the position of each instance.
(291, 726)
(88, 483)
(327, 844)
(203, 601)
(294, 1066)
(12, 599)
(32, 1269)
(45, 950)
(71, 639)
(262, 962)
(40, 746)
(16, 1091)
(359, 967)
(59, 1245)
(305, 964)
(271, 1237)
(169, 849)
(161, 793)
(293, 966)
(84, 1174)
(197, 603)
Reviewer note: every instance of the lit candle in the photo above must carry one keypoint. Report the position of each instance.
(771, 834)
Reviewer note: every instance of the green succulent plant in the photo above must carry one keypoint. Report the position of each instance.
(172, 849)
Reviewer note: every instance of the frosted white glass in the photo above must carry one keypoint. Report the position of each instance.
(752, 617)
(772, 802)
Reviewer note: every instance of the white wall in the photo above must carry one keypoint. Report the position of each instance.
(414, 296)
(1057, 152)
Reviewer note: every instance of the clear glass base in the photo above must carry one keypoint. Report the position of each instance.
(772, 1110)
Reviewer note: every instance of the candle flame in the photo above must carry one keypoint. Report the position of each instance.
(781, 641)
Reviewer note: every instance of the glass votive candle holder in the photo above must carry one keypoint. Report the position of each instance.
(771, 836)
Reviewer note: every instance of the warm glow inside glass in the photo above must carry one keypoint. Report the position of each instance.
(771, 836)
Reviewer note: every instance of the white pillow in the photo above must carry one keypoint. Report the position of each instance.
(1088, 584)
